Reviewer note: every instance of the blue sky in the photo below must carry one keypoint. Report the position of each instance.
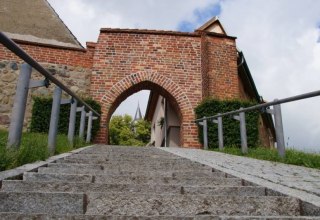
(202, 15)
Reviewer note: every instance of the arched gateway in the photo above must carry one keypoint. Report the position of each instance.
(183, 67)
(157, 84)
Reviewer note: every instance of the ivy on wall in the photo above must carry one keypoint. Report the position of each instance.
(231, 127)
(41, 113)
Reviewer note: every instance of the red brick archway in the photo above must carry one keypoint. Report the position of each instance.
(184, 67)
(160, 84)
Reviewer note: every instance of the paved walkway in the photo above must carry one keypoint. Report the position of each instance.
(296, 181)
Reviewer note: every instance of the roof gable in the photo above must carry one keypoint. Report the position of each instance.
(35, 21)
(213, 26)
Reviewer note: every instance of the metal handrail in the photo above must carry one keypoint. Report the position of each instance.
(265, 105)
(12, 46)
(240, 116)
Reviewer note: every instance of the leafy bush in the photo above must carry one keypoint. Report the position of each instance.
(123, 131)
(231, 127)
(41, 113)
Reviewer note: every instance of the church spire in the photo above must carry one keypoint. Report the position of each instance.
(138, 114)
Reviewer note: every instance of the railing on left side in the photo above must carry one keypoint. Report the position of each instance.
(25, 83)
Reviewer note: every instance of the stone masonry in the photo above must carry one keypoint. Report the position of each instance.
(72, 67)
(115, 182)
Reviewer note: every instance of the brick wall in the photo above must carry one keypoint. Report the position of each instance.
(172, 61)
(54, 55)
(183, 67)
(222, 68)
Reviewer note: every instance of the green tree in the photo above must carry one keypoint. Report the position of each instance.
(143, 130)
(122, 131)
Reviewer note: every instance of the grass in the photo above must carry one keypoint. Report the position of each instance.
(33, 148)
(293, 157)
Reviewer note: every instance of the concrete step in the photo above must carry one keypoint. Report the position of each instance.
(177, 174)
(189, 181)
(18, 216)
(36, 177)
(34, 202)
(107, 161)
(76, 166)
(128, 166)
(110, 148)
(23, 186)
(126, 157)
(140, 183)
(119, 179)
(131, 167)
(190, 205)
(129, 152)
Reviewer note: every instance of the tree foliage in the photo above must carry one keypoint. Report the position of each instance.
(123, 131)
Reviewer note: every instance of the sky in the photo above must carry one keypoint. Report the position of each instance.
(279, 38)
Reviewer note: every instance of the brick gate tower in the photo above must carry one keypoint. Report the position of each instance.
(182, 67)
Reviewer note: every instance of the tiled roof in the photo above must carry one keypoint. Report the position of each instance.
(35, 21)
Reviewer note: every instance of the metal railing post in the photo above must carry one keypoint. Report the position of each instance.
(72, 120)
(243, 131)
(89, 127)
(279, 130)
(82, 122)
(220, 131)
(205, 133)
(54, 120)
(19, 107)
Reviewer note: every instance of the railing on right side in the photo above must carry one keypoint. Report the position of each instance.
(240, 116)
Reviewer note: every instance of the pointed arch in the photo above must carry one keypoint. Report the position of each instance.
(152, 81)
(169, 87)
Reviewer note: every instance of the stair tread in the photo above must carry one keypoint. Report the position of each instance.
(121, 179)
(145, 204)
(140, 183)
(99, 171)
(43, 202)
(16, 185)
(16, 216)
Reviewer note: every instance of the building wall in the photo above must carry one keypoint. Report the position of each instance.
(172, 124)
(182, 67)
(125, 58)
(156, 130)
(72, 67)
(174, 137)
(223, 76)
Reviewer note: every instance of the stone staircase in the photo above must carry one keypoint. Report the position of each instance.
(108, 182)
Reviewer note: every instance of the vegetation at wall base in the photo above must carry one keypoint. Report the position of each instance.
(231, 127)
(293, 157)
(33, 148)
(41, 113)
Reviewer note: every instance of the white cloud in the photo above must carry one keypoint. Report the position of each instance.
(86, 17)
(279, 40)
